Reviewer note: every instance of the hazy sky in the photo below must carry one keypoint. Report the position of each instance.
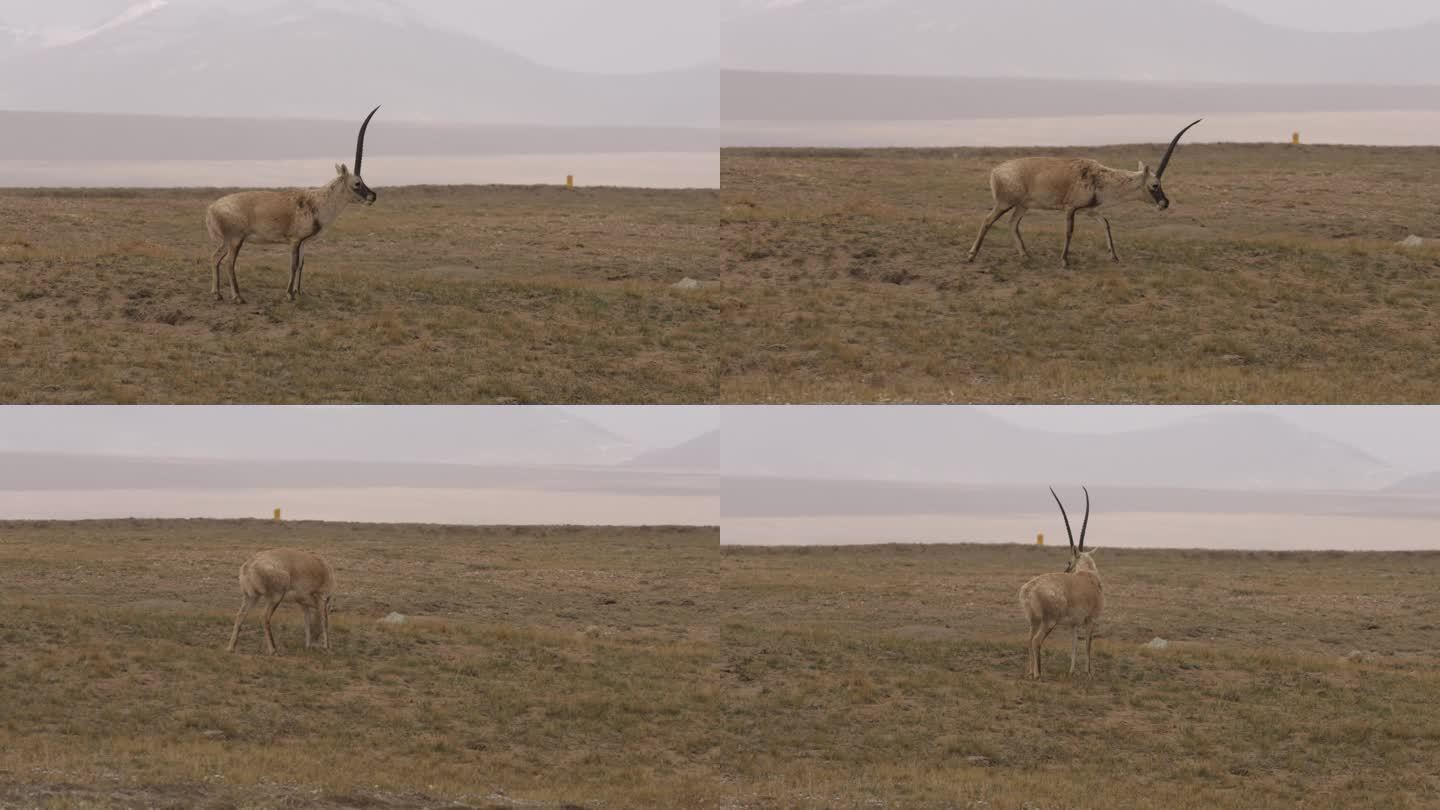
(1229, 41)
(652, 425)
(474, 435)
(1313, 15)
(590, 35)
(1399, 435)
(1339, 15)
(1205, 477)
(523, 457)
(1246, 449)
(599, 35)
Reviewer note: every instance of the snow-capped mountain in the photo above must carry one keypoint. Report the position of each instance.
(323, 59)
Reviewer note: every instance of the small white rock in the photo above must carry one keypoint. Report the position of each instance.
(1157, 643)
(1411, 241)
(686, 283)
(395, 618)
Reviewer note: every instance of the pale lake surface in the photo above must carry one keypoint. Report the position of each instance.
(370, 505)
(1118, 530)
(631, 169)
(1402, 128)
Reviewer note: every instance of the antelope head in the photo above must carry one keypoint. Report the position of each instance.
(1080, 559)
(354, 181)
(1150, 189)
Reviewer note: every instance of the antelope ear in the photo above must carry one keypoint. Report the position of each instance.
(1145, 170)
(342, 170)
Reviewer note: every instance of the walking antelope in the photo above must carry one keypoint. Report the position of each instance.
(1071, 185)
(293, 217)
(286, 575)
(1074, 598)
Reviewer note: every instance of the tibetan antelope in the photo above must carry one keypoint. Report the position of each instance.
(1071, 185)
(286, 575)
(292, 217)
(1074, 598)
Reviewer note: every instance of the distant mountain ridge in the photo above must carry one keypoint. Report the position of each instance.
(759, 95)
(1426, 484)
(771, 497)
(1241, 451)
(1168, 40)
(103, 136)
(79, 472)
(445, 438)
(699, 453)
(431, 435)
(314, 59)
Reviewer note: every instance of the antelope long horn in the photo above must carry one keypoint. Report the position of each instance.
(360, 142)
(1165, 161)
(1086, 521)
(1067, 517)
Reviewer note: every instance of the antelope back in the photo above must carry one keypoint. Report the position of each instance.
(1045, 182)
(281, 570)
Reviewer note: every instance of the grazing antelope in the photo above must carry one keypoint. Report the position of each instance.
(286, 574)
(1071, 185)
(1074, 598)
(293, 217)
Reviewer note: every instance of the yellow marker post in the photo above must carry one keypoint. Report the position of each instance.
(277, 513)
(1294, 139)
(570, 182)
(1040, 539)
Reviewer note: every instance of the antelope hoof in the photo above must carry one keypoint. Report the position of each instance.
(237, 300)
(970, 259)
(219, 297)
(1115, 259)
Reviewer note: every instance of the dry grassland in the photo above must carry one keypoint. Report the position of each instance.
(1274, 277)
(892, 676)
(459, 294)
(543, 668)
